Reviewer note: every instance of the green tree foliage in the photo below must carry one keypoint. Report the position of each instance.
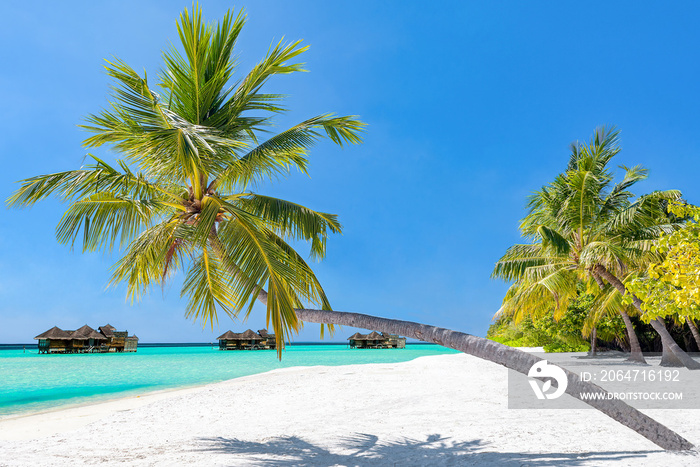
(580, 221)
(194, 143)
(565, 334)
(583, 229)
(671, 287)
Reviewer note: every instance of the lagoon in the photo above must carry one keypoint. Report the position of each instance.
(30, 382)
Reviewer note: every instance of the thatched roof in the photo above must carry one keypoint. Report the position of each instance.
(250, 335)
(357, 337)
(86, 332)
(107, 330)
(375, 336)
(54, 333)
(96, 335)
(263, 333)
(229, 335)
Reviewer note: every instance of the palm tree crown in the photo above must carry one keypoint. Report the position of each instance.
(580, 222)
(181, 199)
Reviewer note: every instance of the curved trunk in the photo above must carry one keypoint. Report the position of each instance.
(510, 358)
(669, 344)
(636, 354)
(667, 358)
(694, 330)
(594, 349)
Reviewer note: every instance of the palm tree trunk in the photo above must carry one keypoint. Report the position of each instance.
(594, 334)
(510, 358)
(694, 330)
(636, 354)
(669, 344)
(667, 358)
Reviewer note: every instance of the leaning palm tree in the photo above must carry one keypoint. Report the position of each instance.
(181, 200)
(585, 228)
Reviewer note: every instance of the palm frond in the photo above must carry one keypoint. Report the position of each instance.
(292, 220)
(517, 259)
(288, 149)
(96, 178)
(207, 287)
(105, 218)
(156, 254)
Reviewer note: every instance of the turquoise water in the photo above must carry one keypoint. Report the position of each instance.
(30, 382)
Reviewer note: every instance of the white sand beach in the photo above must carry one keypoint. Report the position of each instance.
(439, 410)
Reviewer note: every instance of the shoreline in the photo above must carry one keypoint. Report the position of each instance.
(436, 410)
(20, 427)
(117, 397)
(52, 421)
(134, 374)
(17, 427)
(86, 411)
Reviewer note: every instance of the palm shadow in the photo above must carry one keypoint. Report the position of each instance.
(366, 450)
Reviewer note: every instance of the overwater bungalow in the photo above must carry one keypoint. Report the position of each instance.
(54, 340)
(269, 341)
(86, 340)
(374, 340)
(120, 341)
(248, 340)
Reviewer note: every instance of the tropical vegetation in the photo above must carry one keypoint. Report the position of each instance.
(671, 287)
(569, 333)
(587, 231)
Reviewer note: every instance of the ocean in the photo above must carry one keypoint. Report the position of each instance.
(30, 382)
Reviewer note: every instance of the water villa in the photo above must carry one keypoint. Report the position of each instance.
(374, 340)
(248, 340)
(86, 340)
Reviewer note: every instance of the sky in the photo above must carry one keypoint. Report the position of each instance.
(470, 107)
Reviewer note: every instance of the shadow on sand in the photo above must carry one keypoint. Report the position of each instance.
(363, 449)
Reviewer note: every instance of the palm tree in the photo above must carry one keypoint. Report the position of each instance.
(181, 200)
(584, 228)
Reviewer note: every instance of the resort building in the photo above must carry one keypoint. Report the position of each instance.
(374, 340)
(120, 341)
(86, 340)
(248, 340)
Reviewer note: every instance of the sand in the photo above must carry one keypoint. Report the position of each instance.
(439, 410)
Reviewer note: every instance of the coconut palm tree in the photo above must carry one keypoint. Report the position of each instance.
(585, 228)
(181, 200)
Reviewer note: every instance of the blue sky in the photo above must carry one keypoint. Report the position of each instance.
(470, 106)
